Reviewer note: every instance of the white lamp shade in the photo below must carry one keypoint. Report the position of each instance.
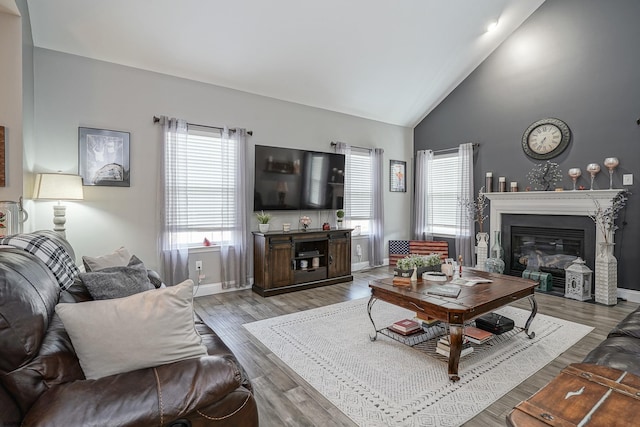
(58, 186)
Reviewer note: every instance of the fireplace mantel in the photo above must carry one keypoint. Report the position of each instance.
(580, 202)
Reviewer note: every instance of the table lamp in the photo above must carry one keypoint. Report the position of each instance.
(58, 186)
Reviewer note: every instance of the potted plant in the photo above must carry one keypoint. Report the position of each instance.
(263, 221)
(423, 263)
(340, 217)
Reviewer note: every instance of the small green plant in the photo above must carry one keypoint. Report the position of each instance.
(263, 218)
(340, 214)
(413, 260)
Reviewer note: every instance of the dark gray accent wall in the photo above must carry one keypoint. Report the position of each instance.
(576, 60)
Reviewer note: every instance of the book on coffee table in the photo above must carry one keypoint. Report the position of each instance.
(477, 335)
(451, 291)
(442, 347)
(405, 327)
(469, 281)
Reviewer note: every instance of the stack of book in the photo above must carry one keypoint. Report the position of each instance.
(477, 335)
(425, 320)
(442, 347)
(405, 327)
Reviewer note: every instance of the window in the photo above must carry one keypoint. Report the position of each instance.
(445, 185)
(359, 197)
(208, 187)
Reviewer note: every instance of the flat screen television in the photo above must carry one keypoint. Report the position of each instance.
(291, 179)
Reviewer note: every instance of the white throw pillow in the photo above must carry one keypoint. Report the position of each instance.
(140, 331)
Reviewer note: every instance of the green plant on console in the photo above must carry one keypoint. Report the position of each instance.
(263, 218)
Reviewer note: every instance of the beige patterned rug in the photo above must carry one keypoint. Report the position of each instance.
(387, 383)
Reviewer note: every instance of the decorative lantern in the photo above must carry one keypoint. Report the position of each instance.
(578, 281)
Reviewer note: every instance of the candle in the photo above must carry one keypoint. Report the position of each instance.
(488, 186)
(502, 184)
(514, 186)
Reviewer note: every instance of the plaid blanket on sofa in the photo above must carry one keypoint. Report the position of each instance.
(49, 251)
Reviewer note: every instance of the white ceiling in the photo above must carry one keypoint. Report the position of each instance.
(386, 60)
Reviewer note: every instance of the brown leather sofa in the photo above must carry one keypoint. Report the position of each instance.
(42, 383)
(621, 349)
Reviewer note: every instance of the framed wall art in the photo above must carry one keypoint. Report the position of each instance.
(103, 157)
(397, 176)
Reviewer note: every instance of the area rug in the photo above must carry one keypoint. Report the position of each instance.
(387, 383)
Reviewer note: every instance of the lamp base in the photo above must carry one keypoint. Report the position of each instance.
(59, 219)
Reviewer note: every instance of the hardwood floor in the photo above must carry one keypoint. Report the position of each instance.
(285, 399)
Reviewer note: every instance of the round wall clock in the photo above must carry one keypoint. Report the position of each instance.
(546, 138)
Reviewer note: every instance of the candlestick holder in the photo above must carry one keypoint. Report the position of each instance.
(593, 169)
(574, 173)
(611, 163)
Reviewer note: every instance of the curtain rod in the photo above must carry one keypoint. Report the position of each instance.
(333, 144)
(444, 150)
(156, 119)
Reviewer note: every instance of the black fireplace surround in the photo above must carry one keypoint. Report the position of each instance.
(548, 243)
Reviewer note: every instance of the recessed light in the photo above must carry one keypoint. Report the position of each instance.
(492, 26)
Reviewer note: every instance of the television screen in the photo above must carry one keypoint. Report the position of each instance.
(291, 179)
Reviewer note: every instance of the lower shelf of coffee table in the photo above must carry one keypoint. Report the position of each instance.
(427, 340)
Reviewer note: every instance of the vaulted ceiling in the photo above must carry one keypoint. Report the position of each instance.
(391, 61)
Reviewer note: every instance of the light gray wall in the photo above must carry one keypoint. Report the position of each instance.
(575, 60)
(72, 91)
(11, 103)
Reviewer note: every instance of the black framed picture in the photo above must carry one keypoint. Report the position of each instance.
(397, 176)
(103, 157)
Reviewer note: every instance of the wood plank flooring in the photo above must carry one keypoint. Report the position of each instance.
(285, 399)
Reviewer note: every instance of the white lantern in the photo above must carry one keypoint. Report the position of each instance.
(578, 281)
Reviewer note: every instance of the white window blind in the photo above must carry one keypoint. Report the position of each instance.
(209, 188)
(360, 191)
(445, 176)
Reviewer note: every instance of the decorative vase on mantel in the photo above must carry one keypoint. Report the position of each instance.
(482, 249)
(606, 275)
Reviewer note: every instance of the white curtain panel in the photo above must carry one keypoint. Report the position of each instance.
(173, 255)
(234, 251)
(465, 240)
(376, 238)
(423, 199)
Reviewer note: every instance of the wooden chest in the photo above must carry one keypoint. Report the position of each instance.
(582, 395)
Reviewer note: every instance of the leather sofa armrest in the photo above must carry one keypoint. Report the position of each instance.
(152, 396)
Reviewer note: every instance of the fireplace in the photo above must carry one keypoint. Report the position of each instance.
(548, 243)
(553, 205)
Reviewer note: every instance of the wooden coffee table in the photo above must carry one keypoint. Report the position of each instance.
(473, 301)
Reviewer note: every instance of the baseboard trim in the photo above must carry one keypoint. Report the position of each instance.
(359, 266)
(205, 289)
(629, 294)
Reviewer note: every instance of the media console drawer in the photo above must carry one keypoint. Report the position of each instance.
(310, 274)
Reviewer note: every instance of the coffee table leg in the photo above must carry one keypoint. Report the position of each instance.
(372, 301)
(534, 310)
(455, 349)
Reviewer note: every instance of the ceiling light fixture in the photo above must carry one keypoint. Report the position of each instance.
(492, 26)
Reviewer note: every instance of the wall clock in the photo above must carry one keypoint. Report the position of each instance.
(546, 138)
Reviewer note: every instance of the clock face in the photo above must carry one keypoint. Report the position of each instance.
(546, 138)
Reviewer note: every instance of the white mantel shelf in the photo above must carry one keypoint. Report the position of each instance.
(555, 195)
